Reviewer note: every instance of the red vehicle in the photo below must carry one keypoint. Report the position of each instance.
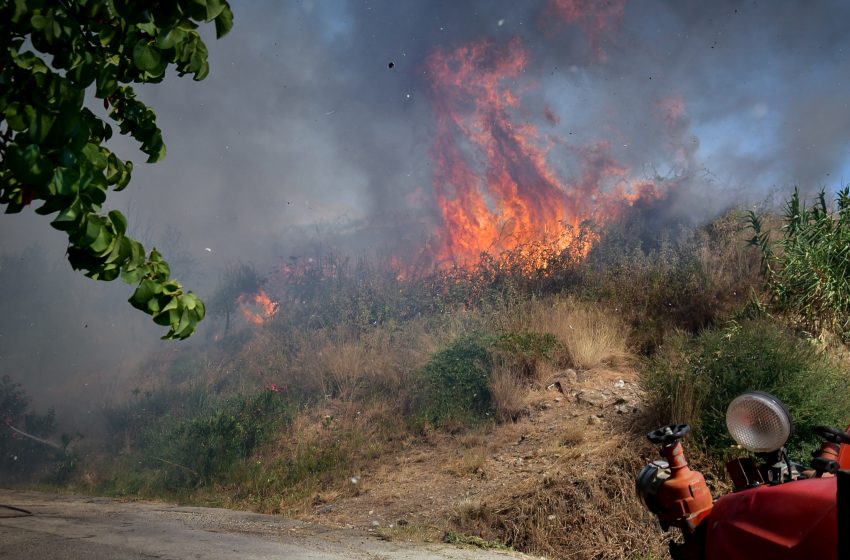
(779, 510)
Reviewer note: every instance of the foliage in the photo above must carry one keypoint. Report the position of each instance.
(52, 146)
(523, 351)
(198, 450)
(453, 387)
(19, 454)
(693, 380)
(675, 277)
(808, 268)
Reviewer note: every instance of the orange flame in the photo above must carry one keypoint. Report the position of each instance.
(493, 183)
(257, 308)
(597, 18)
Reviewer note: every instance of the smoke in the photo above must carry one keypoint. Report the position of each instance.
(304, 131)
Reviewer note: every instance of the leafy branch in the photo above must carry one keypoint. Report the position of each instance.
(52, 147)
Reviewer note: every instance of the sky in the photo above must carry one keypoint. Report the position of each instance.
(321, 122)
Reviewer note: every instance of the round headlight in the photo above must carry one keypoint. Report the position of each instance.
(758, 422)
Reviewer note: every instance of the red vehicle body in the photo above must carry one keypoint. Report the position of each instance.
(795, 520)
(797, 517)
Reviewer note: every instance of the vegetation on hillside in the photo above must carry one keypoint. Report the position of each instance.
(808, 267)
(362, 362)
(25, 444)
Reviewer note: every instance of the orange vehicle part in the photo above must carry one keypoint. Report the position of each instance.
(684, 497)
(844, 454)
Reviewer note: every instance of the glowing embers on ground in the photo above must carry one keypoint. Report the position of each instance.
(258, 307)
(494, 185)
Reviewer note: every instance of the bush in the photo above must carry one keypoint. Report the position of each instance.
(21, 456)
(680, 277)
(807, 274)
(200, 450)
(693, 380)
(453, 387)
(523, 351)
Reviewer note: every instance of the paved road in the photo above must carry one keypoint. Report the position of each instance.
(71, 528)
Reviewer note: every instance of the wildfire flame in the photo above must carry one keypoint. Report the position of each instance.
(597, 19)
(493, 182)
(258, 307)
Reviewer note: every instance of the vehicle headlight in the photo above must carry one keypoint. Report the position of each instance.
(758, 421)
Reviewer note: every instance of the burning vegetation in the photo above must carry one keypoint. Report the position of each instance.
(257, 308)
(493, 182)
(554, 274)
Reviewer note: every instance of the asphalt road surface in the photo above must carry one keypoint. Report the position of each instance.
(72, 527)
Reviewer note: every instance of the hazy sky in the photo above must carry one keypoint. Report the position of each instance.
(302, 126)
(302, 121)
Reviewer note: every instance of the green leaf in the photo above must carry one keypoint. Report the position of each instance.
(84, 72)
(65, 181)
(224, 22)
(147, 290)
(148, 27)
(21, 10)
(107, 81)
(39, 22)
(145, 56)
(118, 221)
(170, 38)
(202, 73)
(28, 165)
(40, 125)
(67, 218)
(214, 9)
(15, 117)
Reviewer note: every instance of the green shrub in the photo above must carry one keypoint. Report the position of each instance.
(523, 351)
(808, 267)
(205, 448)
(693, 380)
(22, 457)
(453, 386)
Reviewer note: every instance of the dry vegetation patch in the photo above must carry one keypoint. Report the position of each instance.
(508, 392)
(592, 334)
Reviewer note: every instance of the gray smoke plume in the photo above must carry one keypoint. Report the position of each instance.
(316, 121)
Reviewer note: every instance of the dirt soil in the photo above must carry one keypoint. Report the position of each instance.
(568, 419)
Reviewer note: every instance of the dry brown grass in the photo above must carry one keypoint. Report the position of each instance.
(591, 333)
(583, 511)
(508, 393)
(573, 434)
(358, 367)
(470, 462)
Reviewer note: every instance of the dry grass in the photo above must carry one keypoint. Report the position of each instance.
(584, 511)
(595, 337)
(470, 462)
(356, 367)
(591, 333)
(573, 435)
(508, 393)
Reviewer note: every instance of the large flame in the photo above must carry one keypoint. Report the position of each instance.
(493, 182)
(258, 307)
